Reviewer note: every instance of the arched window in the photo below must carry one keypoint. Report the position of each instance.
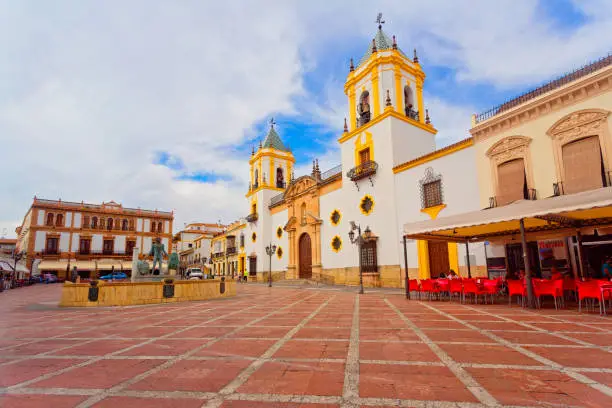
(109, 226)
(363, 109)
(94, 222)
(303, 213)
(49, 219)
(160, 227)
(511, 181)
(124, 225)
(280, 179)
(409, 103)
(59, 220)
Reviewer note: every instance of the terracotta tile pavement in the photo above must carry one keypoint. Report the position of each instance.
(231, 352)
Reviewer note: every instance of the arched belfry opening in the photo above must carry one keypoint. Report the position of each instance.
(409, 107)
(363, 109)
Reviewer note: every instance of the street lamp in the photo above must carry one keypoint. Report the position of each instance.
(270, 250)
(358, 241)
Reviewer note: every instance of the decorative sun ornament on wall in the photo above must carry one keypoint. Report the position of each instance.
(279, 252)
(336, 243)
(367, 204)
(253, 237)
(335, 217)
(279, 232)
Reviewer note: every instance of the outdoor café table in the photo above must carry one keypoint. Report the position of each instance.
(606, 287)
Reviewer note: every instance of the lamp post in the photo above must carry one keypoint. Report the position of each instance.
(358, 240)
(270, 250)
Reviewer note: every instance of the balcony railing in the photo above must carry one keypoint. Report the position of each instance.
(252, 217)
(364, 170)
(529, 194)
(217, 255)
(277, 199)
(281, 184)
(331, 172)
(230, 251)
(411, 113)
(48, 251)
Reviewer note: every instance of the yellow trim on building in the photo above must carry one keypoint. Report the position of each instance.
(331, 243)
(331, 217)
(279, 232)
(352, 108)
(398, 89)
(453, 256)
(361, 146)
(361, 204)
(375, 92)
(269, 152)
(279, 252)
(423, 259)
(420, 102)
(433, 211)
(347, 136)
(434, 155)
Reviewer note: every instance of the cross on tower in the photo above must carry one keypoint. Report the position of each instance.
(380, 21)
(272, 123)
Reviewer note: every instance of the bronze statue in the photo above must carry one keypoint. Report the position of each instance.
(157, 252)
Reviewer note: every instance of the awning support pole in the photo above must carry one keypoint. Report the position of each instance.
(530, 297)
(582, 272)
(406, 269)
(467, 257)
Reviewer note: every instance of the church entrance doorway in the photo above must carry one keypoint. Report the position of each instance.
(438, 258)
(305, 256)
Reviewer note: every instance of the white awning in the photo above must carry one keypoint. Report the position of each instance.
(84, 265)
(107, 266)
(589, 208)
(52, 265)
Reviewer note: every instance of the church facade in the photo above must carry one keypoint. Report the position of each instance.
(390, 173)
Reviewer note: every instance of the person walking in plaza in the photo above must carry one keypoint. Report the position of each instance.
(246, 275)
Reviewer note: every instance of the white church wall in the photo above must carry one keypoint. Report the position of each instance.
(347, 255)
(279, 219)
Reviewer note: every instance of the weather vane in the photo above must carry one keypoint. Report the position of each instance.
(272, 122)
(380, 21)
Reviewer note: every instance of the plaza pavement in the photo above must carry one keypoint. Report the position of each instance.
(299, 347)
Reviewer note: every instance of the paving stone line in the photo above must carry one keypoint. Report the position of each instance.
(541, 330)
(470, 382)
(551, 364)
(99, 358)
(572, 322)
(247, 372)
(121, 386)
(350, 390)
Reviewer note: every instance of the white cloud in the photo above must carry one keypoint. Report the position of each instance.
(92, 90)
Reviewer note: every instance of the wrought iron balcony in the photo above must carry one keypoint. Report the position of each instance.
(367, 169)
(218, 255)
(52, 252)
(252, 217)
(230, 251)
(281, 184)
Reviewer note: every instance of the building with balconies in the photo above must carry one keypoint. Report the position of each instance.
(58, 235)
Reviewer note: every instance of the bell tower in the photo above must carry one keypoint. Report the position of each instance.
(384, 77)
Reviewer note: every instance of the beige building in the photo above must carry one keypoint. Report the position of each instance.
(57, 235)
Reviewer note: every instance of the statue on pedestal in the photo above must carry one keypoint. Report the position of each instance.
(158, 251)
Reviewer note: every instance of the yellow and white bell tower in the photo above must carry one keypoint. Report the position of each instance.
(385, 78)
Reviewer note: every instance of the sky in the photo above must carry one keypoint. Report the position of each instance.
(157, 104)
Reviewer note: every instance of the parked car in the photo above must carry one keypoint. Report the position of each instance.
(195, 273)
(114, 276)
(50, 278)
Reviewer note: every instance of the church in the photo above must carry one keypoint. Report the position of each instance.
(389, 173)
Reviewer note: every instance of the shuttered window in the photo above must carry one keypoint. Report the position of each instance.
(582, 165)
(510, 181)
(364, 156)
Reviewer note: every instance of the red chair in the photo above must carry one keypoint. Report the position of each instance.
(413, 286)
(588, 290)
(544, 287)
(516, 288)
(491, 287)
(470, 287)
(455, 287)
(427, 285)
(442, 285)
(569, 285)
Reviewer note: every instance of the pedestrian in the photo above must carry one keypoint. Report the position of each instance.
(452, 275)
(246, 275)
